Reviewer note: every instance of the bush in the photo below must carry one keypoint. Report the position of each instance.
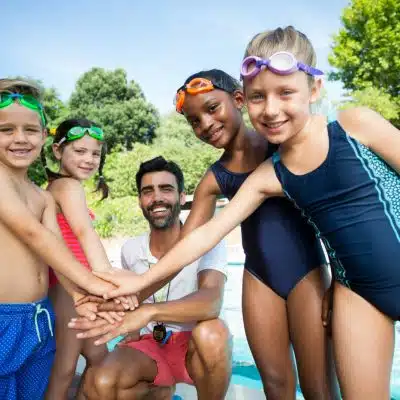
(117, 217)
(121, 168)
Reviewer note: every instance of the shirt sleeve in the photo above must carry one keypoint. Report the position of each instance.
(216, 259)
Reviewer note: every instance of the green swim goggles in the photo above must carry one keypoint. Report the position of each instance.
(26, 100)
(78, 132)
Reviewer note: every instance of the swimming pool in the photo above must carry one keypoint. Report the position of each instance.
(244, 370)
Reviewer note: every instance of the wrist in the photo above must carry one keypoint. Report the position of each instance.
(152, 310)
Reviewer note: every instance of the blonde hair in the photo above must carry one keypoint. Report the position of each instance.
(289, 39)
(20, 86)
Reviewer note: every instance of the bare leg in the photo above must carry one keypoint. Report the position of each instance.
(124, 374)
(209, 359)
(363, 346)
(94, 355)
(309, 338)
(267, 331)
(68, 346)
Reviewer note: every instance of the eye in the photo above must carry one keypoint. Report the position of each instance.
(80, 151)
(287, 92)
(212, 107)
(97, 154)
(33, 130)
(7, 130)
(256, 97)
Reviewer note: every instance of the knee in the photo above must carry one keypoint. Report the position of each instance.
(278, 383)
(103, 381)
(213, 340)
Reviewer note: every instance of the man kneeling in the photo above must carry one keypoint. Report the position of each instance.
(181, 338)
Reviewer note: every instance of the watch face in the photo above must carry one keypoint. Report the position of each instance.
(159, 332)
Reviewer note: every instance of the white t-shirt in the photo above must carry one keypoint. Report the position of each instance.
(136, 256)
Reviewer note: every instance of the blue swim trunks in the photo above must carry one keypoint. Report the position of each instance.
(27, 348)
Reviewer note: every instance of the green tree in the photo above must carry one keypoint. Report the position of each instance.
(376, 99)
(54, 107)
(117, 104)
(366, 50)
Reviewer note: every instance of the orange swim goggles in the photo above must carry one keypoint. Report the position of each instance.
(195, 86)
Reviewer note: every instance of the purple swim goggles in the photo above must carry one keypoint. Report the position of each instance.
(281, 63)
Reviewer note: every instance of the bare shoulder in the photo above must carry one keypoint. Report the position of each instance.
(65, 184)
(63, 188)
(362, 123)
(208, 184)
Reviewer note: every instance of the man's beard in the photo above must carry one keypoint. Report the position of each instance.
(165, 222)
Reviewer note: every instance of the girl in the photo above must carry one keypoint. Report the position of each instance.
(79, 148)
(344, 176)
(282, 278)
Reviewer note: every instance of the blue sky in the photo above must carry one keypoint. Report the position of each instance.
(159, 43)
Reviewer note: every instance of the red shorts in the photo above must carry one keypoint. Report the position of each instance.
(170, 358)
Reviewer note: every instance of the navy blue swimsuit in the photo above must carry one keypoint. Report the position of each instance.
(353, 202)
(280, 247)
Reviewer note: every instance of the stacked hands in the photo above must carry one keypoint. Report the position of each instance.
(112, 310)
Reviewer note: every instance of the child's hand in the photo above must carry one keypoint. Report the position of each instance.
(127, 282)
(87, 310)
(99, 286)
(133, 321)
(86, 298)
(111, 316)
(129, 302)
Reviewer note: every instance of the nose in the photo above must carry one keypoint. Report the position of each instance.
(20, 136)
(89, 158)
(157, 195)
(271, 108)
(206, 124)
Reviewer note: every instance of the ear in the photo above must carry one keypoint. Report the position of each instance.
(182, 199)
(316, 90)
(238, 98)
(57, 151)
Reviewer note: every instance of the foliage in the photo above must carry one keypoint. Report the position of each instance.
(376, 99)
(121, 168)
(117, 104)
(366, 51)
(118, 217)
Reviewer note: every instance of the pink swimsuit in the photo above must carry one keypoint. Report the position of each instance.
(73, 244)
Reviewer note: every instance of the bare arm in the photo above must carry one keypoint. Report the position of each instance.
(260, 185)
(372, 130)
(204, 202)
(19, 220)
(49, 221)
(202, 305)
(70, 196)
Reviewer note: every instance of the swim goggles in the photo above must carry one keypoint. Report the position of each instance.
(25, 100)
(78, 132)
(281, 63)
(195, 86)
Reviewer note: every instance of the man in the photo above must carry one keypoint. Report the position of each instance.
(181, 338)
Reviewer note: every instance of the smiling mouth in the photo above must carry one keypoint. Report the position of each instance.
(20, 152)
(215, 135)
(274, 125)
(159, 210)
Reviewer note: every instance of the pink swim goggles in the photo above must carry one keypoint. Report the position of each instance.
(281, 63)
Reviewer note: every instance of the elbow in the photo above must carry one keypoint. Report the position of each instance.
(214, 308)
